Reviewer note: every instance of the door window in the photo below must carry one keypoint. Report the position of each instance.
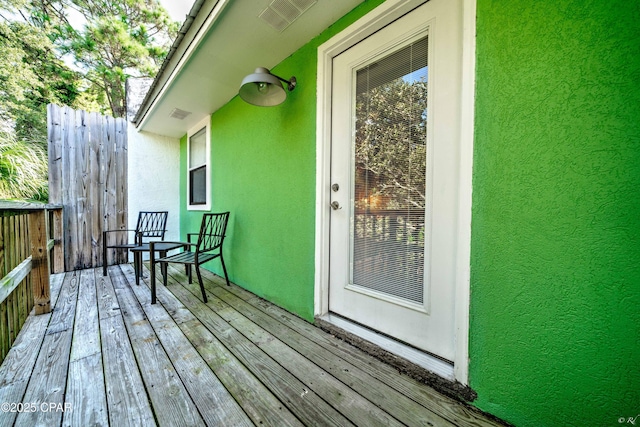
(390, 173)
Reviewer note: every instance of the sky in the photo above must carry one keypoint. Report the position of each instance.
(178, 9)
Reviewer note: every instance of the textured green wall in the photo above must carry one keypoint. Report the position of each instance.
(555, 265)
(263, 171)
(555, 273)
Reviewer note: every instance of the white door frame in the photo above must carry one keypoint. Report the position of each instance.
(383, 15)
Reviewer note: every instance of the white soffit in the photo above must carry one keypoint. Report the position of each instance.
(238, 41)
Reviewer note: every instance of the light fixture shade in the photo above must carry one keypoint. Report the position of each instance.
(263, 88)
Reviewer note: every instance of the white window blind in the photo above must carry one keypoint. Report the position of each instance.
(198, 168)
(198, 149)
(390, 173)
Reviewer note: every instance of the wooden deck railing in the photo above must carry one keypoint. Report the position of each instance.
(30, 249)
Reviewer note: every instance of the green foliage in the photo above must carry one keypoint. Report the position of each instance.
(30, 78)
(118, 40)
(391, 145)
(23, 169)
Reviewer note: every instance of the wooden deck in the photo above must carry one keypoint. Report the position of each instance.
(106, 356)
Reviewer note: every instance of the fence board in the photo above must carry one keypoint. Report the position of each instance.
(96, 183)
(68, 178)
(121, 173)
(111, 182)
(83, 190)
(54, 138)
(11, 252)
(24, 264)
(5, 345)
(88, 177)
(3, 272)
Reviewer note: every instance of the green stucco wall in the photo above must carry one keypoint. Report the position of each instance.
(555, 263)
(555, 256)
(263, 171)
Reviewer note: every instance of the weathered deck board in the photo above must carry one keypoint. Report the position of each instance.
(353, 405)
(85, 383)
(311, 341)
(85, 394)
(117, 360)
(379, 371)
(216, 405)
(254, 398)
(127, 400)
(171, 402)
(17, 367)
(47, 384)
(389, 400)
(407, 386)
(310, 408)
(86, 334)
(107, 301)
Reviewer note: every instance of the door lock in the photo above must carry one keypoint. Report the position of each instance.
(335, 187)
(335, 205)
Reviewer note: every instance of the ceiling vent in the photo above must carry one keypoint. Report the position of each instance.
(179, 114)
(281, 13)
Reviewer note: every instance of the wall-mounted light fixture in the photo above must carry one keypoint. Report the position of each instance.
(264, 89)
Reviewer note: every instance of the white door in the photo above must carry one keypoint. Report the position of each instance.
(394, 175)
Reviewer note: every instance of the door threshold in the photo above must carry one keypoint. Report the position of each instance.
(433, 364)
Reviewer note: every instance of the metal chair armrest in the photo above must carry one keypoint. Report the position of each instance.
(152, 249)
(174, 242)
(121, 231)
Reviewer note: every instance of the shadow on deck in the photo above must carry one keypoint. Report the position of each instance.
(106, 356)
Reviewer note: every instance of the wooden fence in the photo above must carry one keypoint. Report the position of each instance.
(30, 248)
(88, 177)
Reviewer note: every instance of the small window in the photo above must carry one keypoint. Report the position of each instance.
(198, 155)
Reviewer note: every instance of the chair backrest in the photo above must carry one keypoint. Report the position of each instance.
(212, 231)
(152, 224)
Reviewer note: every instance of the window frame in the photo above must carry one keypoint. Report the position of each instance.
(206, 125)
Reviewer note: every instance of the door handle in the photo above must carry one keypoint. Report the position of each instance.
(335, 205)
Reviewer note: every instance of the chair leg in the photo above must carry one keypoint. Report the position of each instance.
(224, 268)
(152, 279)
(104, 255)
(163, 270)
(204, 295)
(163, 267)
(188, 268)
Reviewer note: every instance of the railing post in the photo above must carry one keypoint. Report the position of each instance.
(58, 238)
(39, 235)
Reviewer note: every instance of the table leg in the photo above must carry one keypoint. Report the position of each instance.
(137, 267)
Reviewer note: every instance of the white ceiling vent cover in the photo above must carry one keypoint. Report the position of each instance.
(281, 13)
(179, 114)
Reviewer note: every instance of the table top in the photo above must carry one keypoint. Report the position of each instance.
(159, 246)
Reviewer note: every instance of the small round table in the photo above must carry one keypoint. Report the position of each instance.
(160, 247)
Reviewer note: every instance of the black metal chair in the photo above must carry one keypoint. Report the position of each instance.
(208, 247)
(149, 225)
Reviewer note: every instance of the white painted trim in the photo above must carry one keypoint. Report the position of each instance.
(463, 256)
(364, 27)
(206, 125)
(193, 45)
